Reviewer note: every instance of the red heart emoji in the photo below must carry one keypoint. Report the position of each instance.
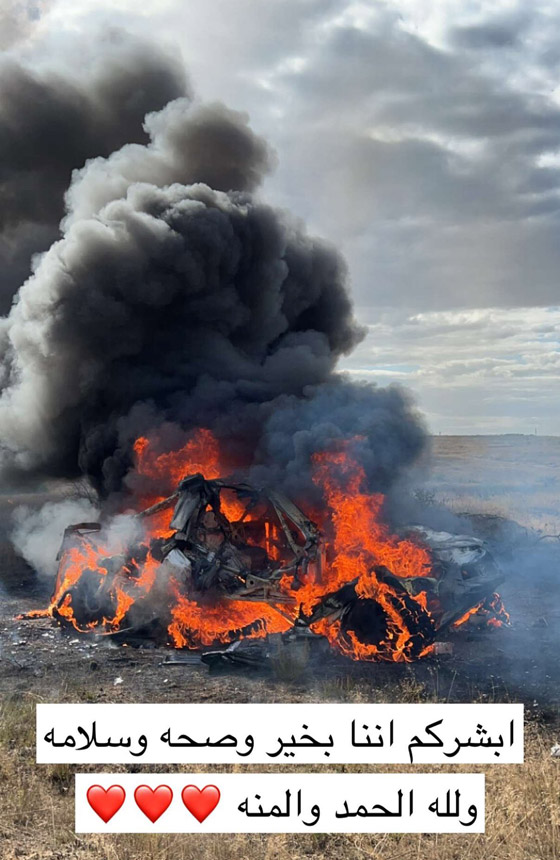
(105, 801)
(153, 801)
(200, 802)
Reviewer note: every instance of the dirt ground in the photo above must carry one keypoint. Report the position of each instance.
(517, 664)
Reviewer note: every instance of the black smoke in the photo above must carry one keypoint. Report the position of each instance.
(177, 298)
(51, 123)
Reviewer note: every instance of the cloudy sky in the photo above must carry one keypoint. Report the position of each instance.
(422, 138)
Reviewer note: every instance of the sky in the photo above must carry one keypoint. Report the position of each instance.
(423, 139)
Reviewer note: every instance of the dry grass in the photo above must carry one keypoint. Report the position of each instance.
(37, 813)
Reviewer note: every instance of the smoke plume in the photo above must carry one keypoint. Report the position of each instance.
(36, 534)
(51, 123)
(177, 298)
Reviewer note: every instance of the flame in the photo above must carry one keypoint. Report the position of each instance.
(360, 549)
(498, 616)
(464, 618)
(200, 454)
(223, 621)
(360, 542)
(492, 611)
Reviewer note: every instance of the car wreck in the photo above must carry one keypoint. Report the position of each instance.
(220, 561)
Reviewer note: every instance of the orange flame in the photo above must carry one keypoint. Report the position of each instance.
(492, 611)
(357, 542)
(360, 542)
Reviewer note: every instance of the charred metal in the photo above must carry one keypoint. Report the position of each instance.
(229, 541)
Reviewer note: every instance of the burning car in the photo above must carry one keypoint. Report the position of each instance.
(218, 561)
(225, 541)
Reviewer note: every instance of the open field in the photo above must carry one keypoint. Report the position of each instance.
(513, 476)
(510, 476)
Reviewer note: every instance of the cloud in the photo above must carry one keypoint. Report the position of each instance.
(417, 148)
(18, 18)
(473, 370)
(421, 139)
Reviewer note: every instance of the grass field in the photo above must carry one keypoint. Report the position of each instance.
(512, 476)
(37, 823)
